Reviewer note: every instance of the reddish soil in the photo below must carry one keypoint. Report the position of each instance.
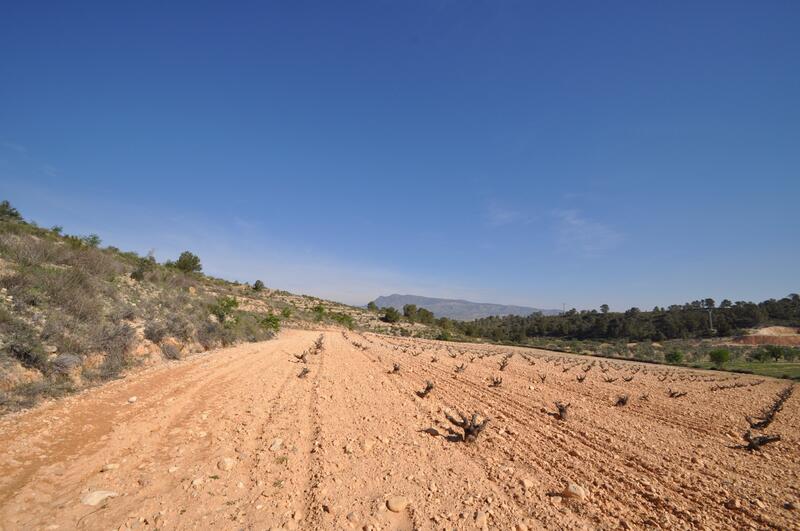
(354, 435)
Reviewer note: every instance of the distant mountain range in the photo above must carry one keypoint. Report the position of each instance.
(457, 309)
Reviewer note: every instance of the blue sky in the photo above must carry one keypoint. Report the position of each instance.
(538, 153)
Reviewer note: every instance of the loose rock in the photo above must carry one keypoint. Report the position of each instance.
(226, 463)
(396, 503)
(97, 497)
(575, 491)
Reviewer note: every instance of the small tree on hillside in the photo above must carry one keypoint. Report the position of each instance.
(410, 312)
(258, 285)
(371, 306)
(719, 356)
(774, 351)
(8, 212)
(92, 240)
(188, 263)
(425, 316)
(390, 315)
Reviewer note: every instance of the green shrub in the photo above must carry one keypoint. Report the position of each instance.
(223, 308)
(674, 356)
(286, 313)
(258, 286)
(319, 312)
(343, 319)
(719, 356)
(271, 323)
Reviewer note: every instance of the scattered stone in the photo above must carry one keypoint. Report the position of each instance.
(97, 497)
(353, 517)
(109, 466)
(790, 506)
(172, 469)
(349, 449)
(520, 527)
(733, 504)
(526, 483)
(276, 445)
(226, 463)
(133, 399)
(197, 482)
(481, 519)
(575, 491)
(396, 503)
(367, 444)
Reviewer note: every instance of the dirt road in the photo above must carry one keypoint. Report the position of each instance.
(235, 440)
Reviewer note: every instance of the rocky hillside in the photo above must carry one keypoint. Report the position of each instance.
(74, 313)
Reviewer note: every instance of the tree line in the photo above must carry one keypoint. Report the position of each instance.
(692, 320)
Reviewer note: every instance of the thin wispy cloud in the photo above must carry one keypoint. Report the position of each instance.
(13, 147)
(579, 234)
(499, 215)
(49, 170)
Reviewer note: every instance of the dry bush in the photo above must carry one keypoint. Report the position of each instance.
(756, 442)
(22, 343)
(116, 341)
(562, 410)
(675, 394)
(28, 394)
(428, 388)
(170, 351)
(155, 331)
(72, 290)
(472, 426)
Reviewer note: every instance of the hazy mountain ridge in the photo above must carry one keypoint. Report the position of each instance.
(459, 309)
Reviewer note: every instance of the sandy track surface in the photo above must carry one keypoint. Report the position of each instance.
(235, 440)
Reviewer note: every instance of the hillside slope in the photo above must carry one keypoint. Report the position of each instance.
(457, 309)
(73, 314)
